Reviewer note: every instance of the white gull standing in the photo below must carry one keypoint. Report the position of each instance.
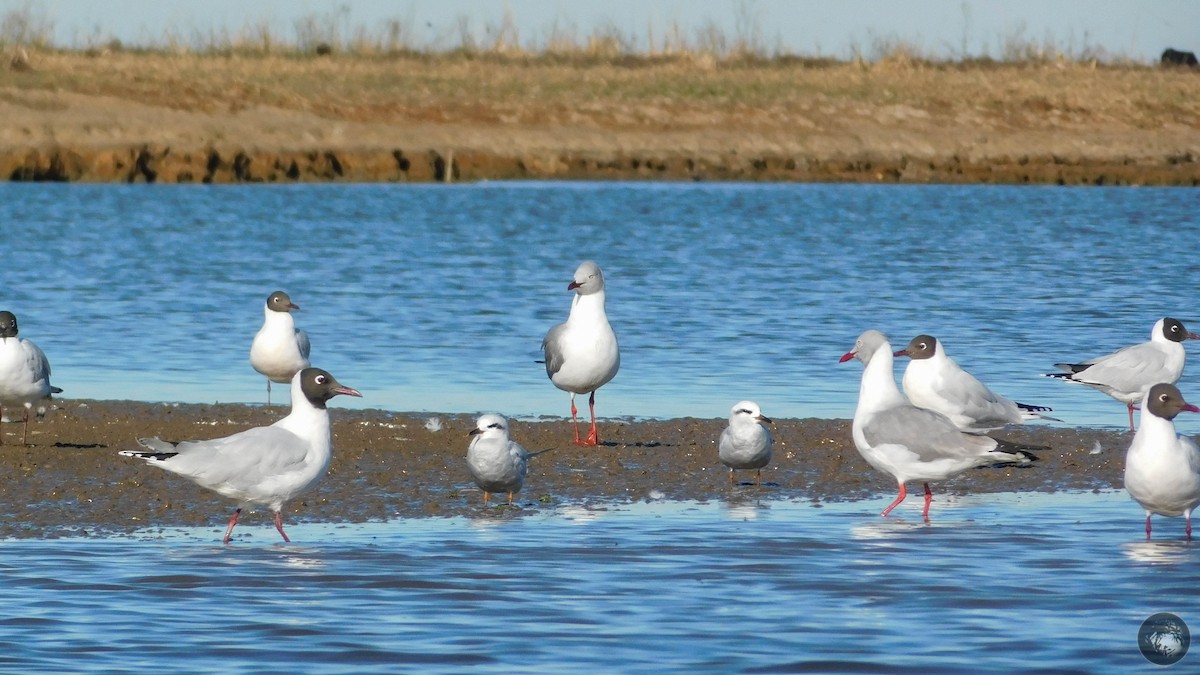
(745, 444)
(1162, 467)
(934, 381)
(908, 442)
(279, 350)
(264, 465)
(581, 353)
(497, 463)
(24, 373)
(1128, 373)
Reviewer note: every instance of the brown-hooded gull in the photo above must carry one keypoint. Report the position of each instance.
(934, 381)
(1162, 467)
(24, 373)
(264, 465)
(1128, 373)
(279, 350)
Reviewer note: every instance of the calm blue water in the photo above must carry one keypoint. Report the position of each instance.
(435, 298)
(1055, 582)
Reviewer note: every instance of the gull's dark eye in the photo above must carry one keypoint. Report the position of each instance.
(320, 379)
(1164, 398)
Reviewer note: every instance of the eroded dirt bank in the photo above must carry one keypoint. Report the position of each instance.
(388, 465)
(161, 164)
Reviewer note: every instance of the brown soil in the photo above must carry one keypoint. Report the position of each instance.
(70, 480)
(187, 118)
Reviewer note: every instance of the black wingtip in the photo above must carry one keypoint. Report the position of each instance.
(1072, 368)
(1033, 408)
(156, 456)
(1026, 455)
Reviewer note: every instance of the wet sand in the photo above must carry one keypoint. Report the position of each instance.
(69, 480)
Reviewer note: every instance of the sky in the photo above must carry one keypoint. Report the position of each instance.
(1133, 29)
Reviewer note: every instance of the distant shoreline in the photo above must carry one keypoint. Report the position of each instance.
(185, 118)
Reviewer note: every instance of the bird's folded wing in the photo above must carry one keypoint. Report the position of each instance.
(929, 435)
(1126, 369)
(36, 361)
(553, 350)
(302, 343)
(244, 457)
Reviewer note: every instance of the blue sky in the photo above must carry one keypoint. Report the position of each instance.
(1124, 28)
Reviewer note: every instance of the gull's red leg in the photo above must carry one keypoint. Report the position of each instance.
(575, 420)
(593, 437)
(900, 498)
(279, 526)
(232, 522)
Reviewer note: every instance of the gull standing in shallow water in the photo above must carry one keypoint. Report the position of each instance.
(264, 465)
(1162, 467)
(582, 354)
(908, 442)
(934, 381)
(279, 351)
(745, 444)
(1129, 372)
(497, 463)
(24, 373)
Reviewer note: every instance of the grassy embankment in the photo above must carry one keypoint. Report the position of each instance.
(265, 112)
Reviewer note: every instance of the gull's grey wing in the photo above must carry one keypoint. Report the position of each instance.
(302, 343)
(1126, 369)
(929, 435)
(552, 348)
(984, 405)
(36, 360)
(240, 460)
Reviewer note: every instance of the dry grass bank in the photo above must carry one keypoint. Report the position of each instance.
(127, 116)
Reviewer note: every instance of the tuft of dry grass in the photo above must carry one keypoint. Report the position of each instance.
(327, 33)
(675, 90)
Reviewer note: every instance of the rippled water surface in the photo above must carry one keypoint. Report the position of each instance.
(437, 297)
(996, 582)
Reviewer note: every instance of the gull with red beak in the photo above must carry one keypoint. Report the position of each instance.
(908, 442)
(581, 353)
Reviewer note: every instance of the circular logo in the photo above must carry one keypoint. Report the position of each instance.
(1164, 639)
